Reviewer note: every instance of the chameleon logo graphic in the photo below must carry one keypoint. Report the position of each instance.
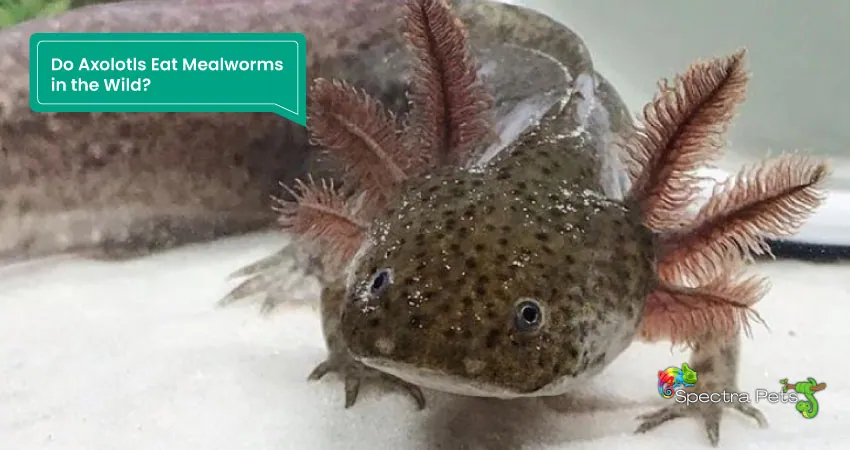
(675, 377)
(808, 408)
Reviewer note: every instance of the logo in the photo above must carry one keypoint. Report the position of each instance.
(808, 406)
(673, 378)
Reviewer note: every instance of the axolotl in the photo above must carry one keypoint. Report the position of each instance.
(528, 271)
(509, 280)
(523, 277)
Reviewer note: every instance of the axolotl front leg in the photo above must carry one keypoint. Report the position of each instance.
(715, 360)
(339, 361)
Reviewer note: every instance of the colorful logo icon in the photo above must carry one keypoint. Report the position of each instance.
(673, 378)
(808, 408)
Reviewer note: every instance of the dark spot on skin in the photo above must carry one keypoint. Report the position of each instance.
(492, 338)
(479, 247)
(481, 291)
(502, 258)
(454, 247)
(467, 300)
(471, 263)
(373, 322)
(546, 171)
(542, 237)
(489, 227)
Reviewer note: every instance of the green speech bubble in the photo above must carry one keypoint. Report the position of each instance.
(169, 72)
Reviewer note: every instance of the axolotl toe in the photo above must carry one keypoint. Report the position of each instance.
(514, 279)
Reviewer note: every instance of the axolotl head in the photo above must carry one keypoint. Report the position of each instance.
(502, 282)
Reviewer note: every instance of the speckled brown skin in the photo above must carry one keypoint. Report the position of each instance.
(465, 248)
(524, 27)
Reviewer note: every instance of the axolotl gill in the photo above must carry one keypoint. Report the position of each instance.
(513, 279)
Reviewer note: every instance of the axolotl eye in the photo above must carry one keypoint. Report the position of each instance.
(528, 315)
(380, 281)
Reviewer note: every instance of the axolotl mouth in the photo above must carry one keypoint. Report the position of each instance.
(453, 384)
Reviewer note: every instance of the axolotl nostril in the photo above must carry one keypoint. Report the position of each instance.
(509, 280)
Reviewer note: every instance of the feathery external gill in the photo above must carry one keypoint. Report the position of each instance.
(682, 130)
(769, 200)
(701, 259)
(450, 106)
(449, 118)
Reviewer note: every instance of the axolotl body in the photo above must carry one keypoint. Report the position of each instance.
(512, 278)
